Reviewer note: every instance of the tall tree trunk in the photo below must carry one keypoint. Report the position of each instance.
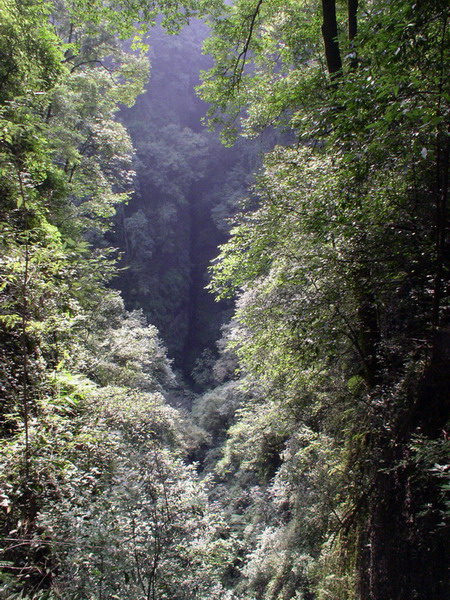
(352, 19)
(329, 34)
(352, 7)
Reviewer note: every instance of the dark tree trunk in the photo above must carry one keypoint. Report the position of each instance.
(370, 337)
(330, 39)
(405, 548)
(352, 19)
(352, 31)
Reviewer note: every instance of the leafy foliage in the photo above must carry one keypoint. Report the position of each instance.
(342, 281)
(325, 455)
(86, 464)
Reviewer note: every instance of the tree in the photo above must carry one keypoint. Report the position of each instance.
(62, 158)
(341, 273)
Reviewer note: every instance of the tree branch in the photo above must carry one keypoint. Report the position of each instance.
(242, 58)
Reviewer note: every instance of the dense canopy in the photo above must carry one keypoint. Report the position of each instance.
(292, 440)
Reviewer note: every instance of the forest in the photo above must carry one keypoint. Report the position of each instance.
(224, 300)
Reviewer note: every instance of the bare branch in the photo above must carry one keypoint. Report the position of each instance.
(241, 60)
